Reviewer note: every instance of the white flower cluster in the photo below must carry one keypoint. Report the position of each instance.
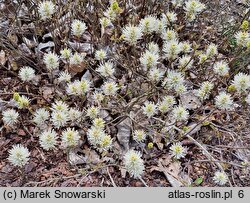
(41, 116)
(66, 53)
(241, 82)
(242, 38)
(93, 112)
(48, 139)
(221, 68)
(59, 115)
(205, 90)
(131, 34)
(110, 88)
(78, 88)
(220, 178)
(172, 49)
(70, 138)
(21, 102)
(64, 76)
(26, 74)
(97, 136)
(155, 74)
(149, 109)
(78, 27)
(139, 135)
(19, 155)
(180, 113)
(175, 80)
(148, 24)
(46, 9)
(149, 60)
(224, 101)
(134, 163)
(76, 59)
(51, 61)
(100, 55)
(10, 117)
(193, 8)
(166, 104)
(106, 69)
(113, 11)
(178, 151)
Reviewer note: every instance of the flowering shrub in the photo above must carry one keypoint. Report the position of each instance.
(134, 83)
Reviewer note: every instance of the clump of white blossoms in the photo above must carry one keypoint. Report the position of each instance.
(41, 115)
(185, 62)
(98, 97)
(134, 163)
(51, 61)
(172, 49)
(19, 155)
(59, 115)
(105, 23)
(149, 60)
(60, 106)
(93, 112)
(153, 48)
(204, 91)
(131, 34)
(169, 35)
(97, 137)
(186, 47)
(46, 9)
(64, 76)
(180, 113)
(221, 68)
(70, 138)
(76, 59)
(160, 26)
(48, 139)
(148, 24)
(110, 88)
(242, 37)
(212, 50)
(241, 82)
(27, 73)
(66, 53)
(10, 117)
(169, 17)
(178, 151)
(202, 58)
(224, 101)
(74, 115)
(220, 178)
(193, 8)
(177, 3)
(174, 79)
(106, 69)
(100, 55)
(78, 88)
(149, 109)
(78, 27)
(59, 118)
(155, 74)
(166, 104)
(99, 123)
(139, 135)
(22, 102)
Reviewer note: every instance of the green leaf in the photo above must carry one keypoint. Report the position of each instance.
(198, 181)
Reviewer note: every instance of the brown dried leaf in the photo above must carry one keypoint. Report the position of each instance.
(77, 68)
